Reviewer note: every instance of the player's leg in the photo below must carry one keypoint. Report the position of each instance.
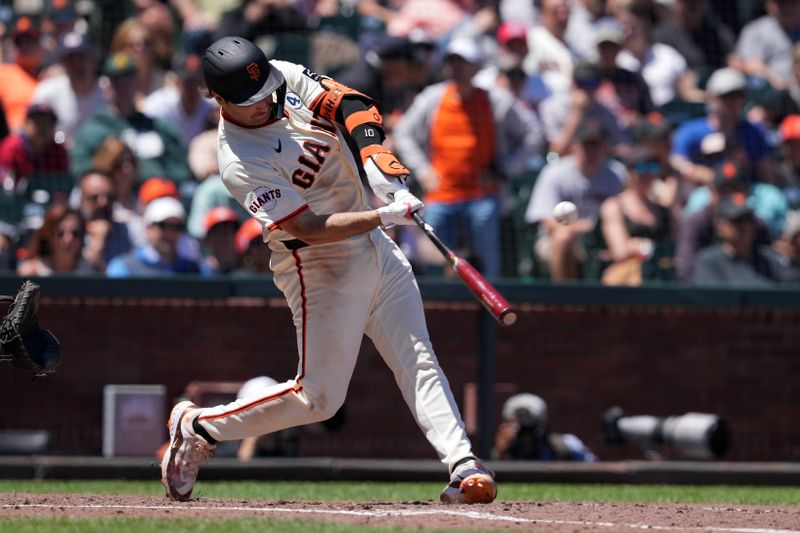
(398, 330)
(328, 345)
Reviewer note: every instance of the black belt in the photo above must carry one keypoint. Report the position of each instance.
(294, 244)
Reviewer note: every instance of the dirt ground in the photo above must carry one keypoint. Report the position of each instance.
(511, 516)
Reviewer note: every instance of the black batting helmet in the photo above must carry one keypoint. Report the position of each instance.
(238, 71)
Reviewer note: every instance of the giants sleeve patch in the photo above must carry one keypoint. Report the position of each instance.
(262, 199)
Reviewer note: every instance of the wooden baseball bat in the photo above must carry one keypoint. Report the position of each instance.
(490, 297)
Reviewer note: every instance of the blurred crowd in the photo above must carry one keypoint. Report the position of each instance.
(672, 125)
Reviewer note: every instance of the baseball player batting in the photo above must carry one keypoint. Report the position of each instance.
(283, 156)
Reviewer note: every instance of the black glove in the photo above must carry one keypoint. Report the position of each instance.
(22, 340)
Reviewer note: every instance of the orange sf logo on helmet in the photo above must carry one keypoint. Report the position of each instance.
(254, 71)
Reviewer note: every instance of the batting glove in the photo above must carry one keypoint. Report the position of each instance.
(385, 173)
(400, 209)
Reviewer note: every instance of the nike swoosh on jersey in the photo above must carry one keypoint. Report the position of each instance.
(279, 148)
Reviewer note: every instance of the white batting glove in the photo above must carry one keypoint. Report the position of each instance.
(386, 175)
(400, 209)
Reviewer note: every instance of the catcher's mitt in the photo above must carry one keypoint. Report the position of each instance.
(22, 341)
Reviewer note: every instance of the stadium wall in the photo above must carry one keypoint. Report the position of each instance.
(582, 348)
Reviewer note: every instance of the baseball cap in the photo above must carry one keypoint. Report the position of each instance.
(466, 49)
(247, 232)
(609, 31)
(25, 26)
(239, 72)
(591, 130)
(73, 42)
(510, 30)
(790, 128)
(218, 215)
(734, 207)
(652, 126)
(157, 187)
(118, 64)
(725, 81)
(41, 108)
(393, 47)
(162, 209)
(587, 75)
(729, 175)
(189, 67)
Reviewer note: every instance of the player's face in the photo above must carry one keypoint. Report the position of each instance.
(251, 115)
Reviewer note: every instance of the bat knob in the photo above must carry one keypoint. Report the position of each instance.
(508, 317)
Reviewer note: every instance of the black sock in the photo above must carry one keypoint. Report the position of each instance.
(200, 430)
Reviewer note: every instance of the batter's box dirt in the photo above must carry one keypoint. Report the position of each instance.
(512, 516)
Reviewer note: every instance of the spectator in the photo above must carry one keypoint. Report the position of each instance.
(697, 34)
(393, 74)
(115, 159)
(765, 46)
(250, 245)
(623, 92)
(585, 20)
(549, 54)
(654, 133)
(165, 220)
(20, 77)
(75, 94)
(157, 145)
(524, 434)
(766, 199)
(662, 67)
(157, 187)
(58, 18)
(563, 113)
(632, 223)
(738, 259)
(462, 142)
(414, 15)
(586, 179)
(211, 192)
(56, 247)
(105, 238)
(697, 228)
(8, 247)
(219, 242)
(33, 152)
(789, 243)
(252, 19)
(135, 40)
(182, 105)
(725, 98)
(790, 160)
(507, 71)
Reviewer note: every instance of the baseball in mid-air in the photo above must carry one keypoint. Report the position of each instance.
(565, 212)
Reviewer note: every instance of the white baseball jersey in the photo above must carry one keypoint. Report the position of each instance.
(300, 162)
(337, 292)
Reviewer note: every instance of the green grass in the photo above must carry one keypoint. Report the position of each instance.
(339, 491)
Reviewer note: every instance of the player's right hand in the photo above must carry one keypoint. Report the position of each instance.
(400, 209)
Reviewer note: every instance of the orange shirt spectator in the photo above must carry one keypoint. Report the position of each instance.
(20, 76)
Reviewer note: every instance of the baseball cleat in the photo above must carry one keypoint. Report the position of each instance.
(184, 455)
(471, 482)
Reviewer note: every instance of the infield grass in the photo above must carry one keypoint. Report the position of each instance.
(340, 491)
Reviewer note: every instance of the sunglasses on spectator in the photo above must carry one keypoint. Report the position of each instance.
(96, 197)
(647, 167)
(177, 226)
(71, 232)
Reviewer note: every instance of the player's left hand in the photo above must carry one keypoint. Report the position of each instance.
(400, 209)
(386, 174)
